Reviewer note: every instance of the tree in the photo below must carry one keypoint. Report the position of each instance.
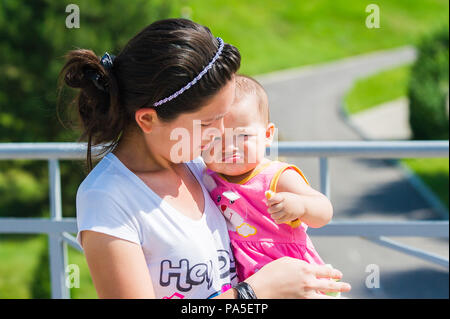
(33, 40)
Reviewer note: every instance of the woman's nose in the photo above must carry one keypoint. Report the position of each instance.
(220, 126)
(214, 131)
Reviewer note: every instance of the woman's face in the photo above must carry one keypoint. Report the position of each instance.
(183, 139)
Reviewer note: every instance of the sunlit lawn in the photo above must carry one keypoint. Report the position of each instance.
(274, 35)
(434, 172)
(19, 257)
(377, 89)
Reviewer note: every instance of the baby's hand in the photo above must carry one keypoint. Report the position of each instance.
(284, 207)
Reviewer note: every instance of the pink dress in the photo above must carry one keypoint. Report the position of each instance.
(255, 238)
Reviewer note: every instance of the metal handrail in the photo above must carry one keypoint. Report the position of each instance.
(59, 228)
(355, 149)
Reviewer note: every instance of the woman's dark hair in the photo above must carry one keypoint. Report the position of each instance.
(158, 61)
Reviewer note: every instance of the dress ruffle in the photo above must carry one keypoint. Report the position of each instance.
(253, 255)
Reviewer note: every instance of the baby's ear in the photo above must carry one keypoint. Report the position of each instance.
(270, 133)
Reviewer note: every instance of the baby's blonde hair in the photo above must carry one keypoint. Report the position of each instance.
(245, 86)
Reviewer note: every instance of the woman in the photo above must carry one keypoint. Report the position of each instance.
(146, 223)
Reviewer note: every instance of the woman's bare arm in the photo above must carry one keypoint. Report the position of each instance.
(118, 268)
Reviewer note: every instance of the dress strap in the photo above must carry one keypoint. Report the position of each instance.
(276, 176)
(273, 186)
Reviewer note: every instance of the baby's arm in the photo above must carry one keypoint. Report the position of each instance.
(296, 199)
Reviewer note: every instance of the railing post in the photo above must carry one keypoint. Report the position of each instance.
(57, 246)
(324, 176)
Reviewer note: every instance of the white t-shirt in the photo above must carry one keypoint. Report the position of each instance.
(186, 258)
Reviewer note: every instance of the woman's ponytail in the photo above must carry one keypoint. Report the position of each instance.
(97, 103)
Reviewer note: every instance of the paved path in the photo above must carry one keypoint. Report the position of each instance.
(388, 121)
(305, 105)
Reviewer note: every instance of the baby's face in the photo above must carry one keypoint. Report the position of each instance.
(242, 147)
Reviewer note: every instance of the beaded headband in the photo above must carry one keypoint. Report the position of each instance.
(107, 62)
(196, 79)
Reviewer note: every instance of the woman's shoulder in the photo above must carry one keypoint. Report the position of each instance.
(102, 202)
(106, 178)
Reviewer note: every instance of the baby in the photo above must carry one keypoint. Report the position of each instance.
(268, 204)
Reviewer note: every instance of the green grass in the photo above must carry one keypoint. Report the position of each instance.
(22, 253)
(434, 172)
(377, 89)
(274, 35)
(19, 256)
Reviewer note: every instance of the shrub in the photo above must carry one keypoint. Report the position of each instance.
(428, 88)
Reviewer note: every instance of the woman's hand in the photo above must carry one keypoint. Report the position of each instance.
(293, 278)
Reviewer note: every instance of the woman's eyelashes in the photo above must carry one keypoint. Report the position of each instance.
(235, 136)
(218, 138)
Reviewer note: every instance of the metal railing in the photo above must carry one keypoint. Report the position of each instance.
(58, 228)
